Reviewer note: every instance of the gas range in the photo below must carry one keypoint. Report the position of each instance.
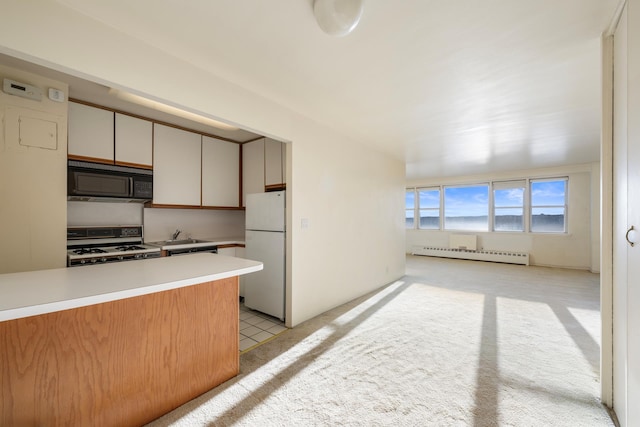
(100, 245)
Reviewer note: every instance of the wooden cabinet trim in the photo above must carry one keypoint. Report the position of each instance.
(167, 206)
(231, 245)
(275, 187)
(90, 159)
(134, 165)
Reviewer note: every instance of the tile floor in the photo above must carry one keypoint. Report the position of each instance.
(256, 328)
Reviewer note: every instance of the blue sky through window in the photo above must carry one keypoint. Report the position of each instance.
(466, 201)
(548, 193)
(429, 199)
(409, 199)
(509, 197)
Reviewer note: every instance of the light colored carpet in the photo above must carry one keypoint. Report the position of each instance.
(454, 343)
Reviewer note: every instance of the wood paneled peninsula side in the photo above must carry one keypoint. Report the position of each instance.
(117, 344)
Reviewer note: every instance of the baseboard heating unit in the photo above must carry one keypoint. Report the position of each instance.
(477, 255)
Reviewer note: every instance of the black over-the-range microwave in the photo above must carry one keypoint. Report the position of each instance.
(94, 181)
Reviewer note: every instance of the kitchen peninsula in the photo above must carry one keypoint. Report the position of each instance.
(117, 344)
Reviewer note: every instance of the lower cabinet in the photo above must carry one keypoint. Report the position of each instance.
(236, 251)
(89, 366)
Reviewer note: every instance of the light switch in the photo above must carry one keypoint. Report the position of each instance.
(304, 223)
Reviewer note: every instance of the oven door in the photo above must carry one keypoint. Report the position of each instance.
(98, 184)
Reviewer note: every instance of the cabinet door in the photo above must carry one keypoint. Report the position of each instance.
(273, 165)
(227, 251)
(176, 166)
(252, 168)
(134, 141)
(220, 173)
(90, 133)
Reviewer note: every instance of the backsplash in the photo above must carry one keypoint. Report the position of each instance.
(159, 224)
(103, 213)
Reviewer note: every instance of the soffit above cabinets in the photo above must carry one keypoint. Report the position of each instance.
(98, 94)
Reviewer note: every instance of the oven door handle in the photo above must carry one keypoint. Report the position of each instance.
(130, 186)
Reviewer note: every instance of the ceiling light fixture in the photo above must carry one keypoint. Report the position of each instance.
(337, 17)
(159, 106)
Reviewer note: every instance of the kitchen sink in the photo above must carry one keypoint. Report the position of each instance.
(179, 242)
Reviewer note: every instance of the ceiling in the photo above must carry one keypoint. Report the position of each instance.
(451, 87)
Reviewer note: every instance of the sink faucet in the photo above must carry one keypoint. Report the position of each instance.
(176, 234)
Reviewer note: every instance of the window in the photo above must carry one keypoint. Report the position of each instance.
(429, 207)
(548, 205)
(410, 208)
(466, 207)
(519, 205)
(508, 206)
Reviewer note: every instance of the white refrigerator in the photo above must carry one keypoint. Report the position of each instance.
(264, 290)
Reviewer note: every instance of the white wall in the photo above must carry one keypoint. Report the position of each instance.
(160, 224)
(33, 183)
(349, 197)
(352, 195)
(575, 249)
(103, 213)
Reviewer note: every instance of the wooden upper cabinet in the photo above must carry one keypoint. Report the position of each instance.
(176, 166)
(133, 141)
(220, 173)
(273, 162)
(252, 168)
(90, 133)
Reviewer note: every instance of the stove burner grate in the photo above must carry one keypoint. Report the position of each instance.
(129, 248)
(83, 251)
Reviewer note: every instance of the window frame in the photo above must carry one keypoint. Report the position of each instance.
(419, 208)
(415, 207)
(565, 206)
(492, 186)
(504, 185)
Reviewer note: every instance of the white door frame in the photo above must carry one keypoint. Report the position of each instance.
(606, 224)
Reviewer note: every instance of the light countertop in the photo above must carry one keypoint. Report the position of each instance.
(46, 291)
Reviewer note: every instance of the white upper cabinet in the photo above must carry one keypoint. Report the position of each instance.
(176, 166)
(90, 133)
(220, 173)
(273, 162)
(252, 168)
(133, 141)
(103, 136)
(263, 166)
